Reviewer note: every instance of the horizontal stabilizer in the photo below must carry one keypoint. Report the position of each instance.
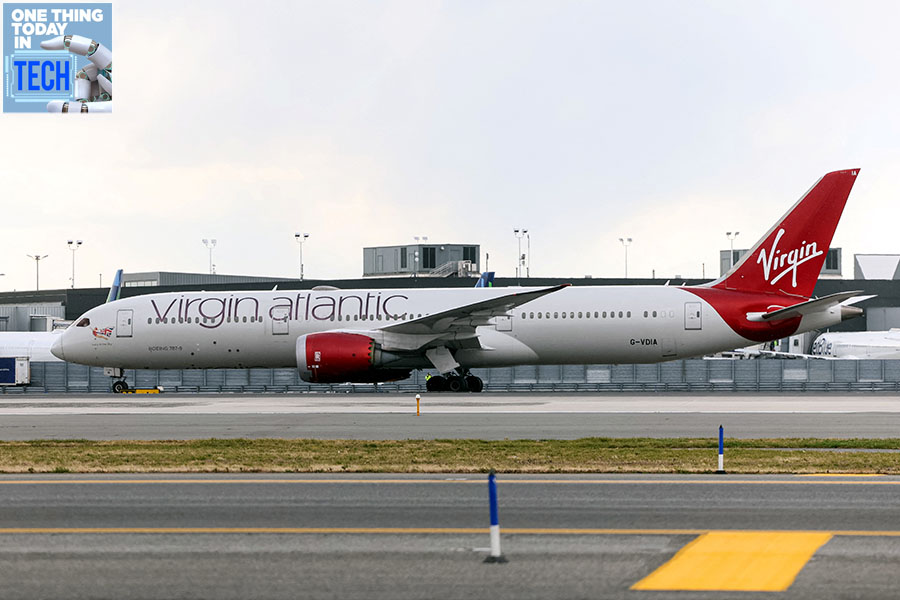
(804, 308)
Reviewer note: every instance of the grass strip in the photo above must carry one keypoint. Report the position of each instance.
(587, 455)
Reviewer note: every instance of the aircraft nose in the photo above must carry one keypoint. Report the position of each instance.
(57, 348)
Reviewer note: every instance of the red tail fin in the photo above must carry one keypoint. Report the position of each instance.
(789, 258)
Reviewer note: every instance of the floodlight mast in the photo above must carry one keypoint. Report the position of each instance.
(210, 244)
(301, 237)
(731, 236)
(37, 268)
(625, 243)
(73, 246)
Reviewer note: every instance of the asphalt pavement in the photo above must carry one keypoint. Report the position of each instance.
(420, 536)
(487, 416)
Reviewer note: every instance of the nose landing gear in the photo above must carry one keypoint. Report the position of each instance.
(120, 385)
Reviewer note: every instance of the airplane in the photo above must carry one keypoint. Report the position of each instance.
(857, 344)
(378, 335)
(35, 345)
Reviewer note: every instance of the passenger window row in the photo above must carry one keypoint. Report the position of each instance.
(612, 314)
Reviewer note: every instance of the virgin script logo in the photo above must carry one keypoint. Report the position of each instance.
(778, 263)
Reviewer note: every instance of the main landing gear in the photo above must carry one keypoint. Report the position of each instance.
(463, 381)
(120, 386)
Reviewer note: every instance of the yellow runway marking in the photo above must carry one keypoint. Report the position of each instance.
(765, 561)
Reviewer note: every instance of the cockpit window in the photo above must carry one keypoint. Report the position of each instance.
(85, 322)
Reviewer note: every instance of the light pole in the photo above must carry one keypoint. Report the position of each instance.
(625, 243)
(210, 244)
(73, 246)
(519, 233)
(301, 237)
(731, 236)
(528, 265)
(37, 268)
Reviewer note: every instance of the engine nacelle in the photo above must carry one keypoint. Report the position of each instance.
(342, 358)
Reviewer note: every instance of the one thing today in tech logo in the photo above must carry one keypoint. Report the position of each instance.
(57, 58)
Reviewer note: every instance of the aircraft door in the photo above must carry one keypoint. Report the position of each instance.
(124, 320)
(692, 318)
(280, 320)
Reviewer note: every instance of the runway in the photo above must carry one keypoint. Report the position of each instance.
(405, 536)
(487, 416)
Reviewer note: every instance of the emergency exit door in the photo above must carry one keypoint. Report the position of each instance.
(124, 319)
(692, 318)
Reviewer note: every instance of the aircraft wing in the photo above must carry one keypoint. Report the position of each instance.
(466, 318)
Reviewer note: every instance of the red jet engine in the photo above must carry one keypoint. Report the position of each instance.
(342, 358)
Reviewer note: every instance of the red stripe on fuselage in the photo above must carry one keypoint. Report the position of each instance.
(733, 307)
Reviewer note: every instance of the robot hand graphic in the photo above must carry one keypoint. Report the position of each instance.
(93, 84)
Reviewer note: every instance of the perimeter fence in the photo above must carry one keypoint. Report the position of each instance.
(695, 375)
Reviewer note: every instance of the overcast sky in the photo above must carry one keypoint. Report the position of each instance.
(368, 123)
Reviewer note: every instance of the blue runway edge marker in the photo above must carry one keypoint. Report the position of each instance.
(495, 556)
(721, 469)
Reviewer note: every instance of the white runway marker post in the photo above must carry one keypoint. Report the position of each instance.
(721, 469)
(495, 556)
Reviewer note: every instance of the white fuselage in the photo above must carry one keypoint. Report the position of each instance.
(576, 325)
(858, 344)
(34, 345)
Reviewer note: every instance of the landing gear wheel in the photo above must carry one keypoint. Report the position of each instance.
(456, 384)
(475, 384)
(119, 386)
(436, 384)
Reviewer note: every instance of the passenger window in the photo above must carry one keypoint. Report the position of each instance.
(628, 314)
(604, 314)
(620, 314)
(671, 314)
(556, 315)
(149, 320)
(595, 314)
(531, 315)
(539, 315)
(571, 315)
(645, 314)
(654, 314)
(523, 315)
(579, 315)
(564, 315)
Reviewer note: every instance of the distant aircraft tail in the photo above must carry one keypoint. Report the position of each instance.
(789, 257)
(115, 290)
(486, 279)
